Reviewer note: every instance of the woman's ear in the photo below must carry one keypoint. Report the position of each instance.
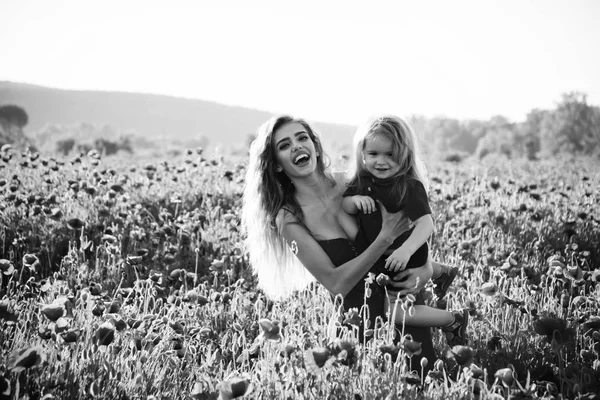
(278, 168)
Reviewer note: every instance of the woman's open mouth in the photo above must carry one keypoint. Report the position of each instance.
(301, 159)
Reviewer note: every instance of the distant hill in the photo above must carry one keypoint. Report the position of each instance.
(150, 115)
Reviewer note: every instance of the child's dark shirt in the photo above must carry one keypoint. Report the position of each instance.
(415, 205)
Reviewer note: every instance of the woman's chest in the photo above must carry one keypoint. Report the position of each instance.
(328, 220)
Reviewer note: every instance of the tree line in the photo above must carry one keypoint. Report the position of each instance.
(572, 127)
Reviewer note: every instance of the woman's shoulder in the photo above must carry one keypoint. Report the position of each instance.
(284, 217)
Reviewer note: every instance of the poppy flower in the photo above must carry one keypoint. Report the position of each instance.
(53, 311)
(70, 336)
(235, 387)
(548, 325)
(556, 261)
(6, 267)
(382, 279)
(198, 391)
(317, 358)
(344, 351)
(5, 388)
(288, 349)
(4, 313)
(391, 350)
(75, 224)
(412, 348)
(593, 323)
(270, 329)
(463, 355)
(554, 329)
(476, 371)
(55, 214)
(506, 376)
(31, 261)
(105, 333)
(21, 360)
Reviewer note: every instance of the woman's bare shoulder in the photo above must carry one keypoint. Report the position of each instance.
(285, 217)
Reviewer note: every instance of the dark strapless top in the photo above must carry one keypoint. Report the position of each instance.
(340, 250)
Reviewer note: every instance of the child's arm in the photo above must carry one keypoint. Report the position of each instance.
(354, 204)
(423, 230)
(399, 258)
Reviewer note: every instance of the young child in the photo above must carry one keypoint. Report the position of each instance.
(388, 169)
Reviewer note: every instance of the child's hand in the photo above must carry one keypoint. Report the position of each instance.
(398, 260)
(364, 203)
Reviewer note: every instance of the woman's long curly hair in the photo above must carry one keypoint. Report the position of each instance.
(405, 151)
(266, 192)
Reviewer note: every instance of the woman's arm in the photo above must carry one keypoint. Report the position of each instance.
(341, 279)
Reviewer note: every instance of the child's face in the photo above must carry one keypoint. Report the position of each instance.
(378, 158)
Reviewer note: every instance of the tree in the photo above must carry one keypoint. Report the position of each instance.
(529, 133)
(500, 138)
(573, 127)
(14, 115)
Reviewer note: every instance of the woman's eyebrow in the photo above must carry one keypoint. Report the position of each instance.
(287, 138)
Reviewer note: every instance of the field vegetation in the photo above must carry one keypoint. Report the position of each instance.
(126, 278)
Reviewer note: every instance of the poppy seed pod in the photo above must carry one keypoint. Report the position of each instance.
(489, 289)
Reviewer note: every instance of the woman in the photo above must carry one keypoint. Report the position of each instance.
(297, 230)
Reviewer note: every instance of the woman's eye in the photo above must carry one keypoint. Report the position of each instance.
(303, 138)
(283, 146)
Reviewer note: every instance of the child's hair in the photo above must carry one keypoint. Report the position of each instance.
(266, 192)
(405, 152)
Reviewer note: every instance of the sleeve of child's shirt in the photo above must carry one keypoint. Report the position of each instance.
(351, 190)
(415, 200)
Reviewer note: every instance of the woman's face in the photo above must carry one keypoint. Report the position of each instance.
(294, 150)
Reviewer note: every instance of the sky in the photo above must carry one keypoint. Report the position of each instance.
(333, 61)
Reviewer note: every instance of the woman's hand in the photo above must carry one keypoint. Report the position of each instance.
(413, 280)
(393, 224)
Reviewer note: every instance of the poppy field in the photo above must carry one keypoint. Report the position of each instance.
(126, 278)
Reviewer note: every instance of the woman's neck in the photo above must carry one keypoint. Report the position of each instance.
(311, 188)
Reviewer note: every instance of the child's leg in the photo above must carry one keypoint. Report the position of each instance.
(454, 324)
(437, 269)
(443, 276)
(423, 316)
